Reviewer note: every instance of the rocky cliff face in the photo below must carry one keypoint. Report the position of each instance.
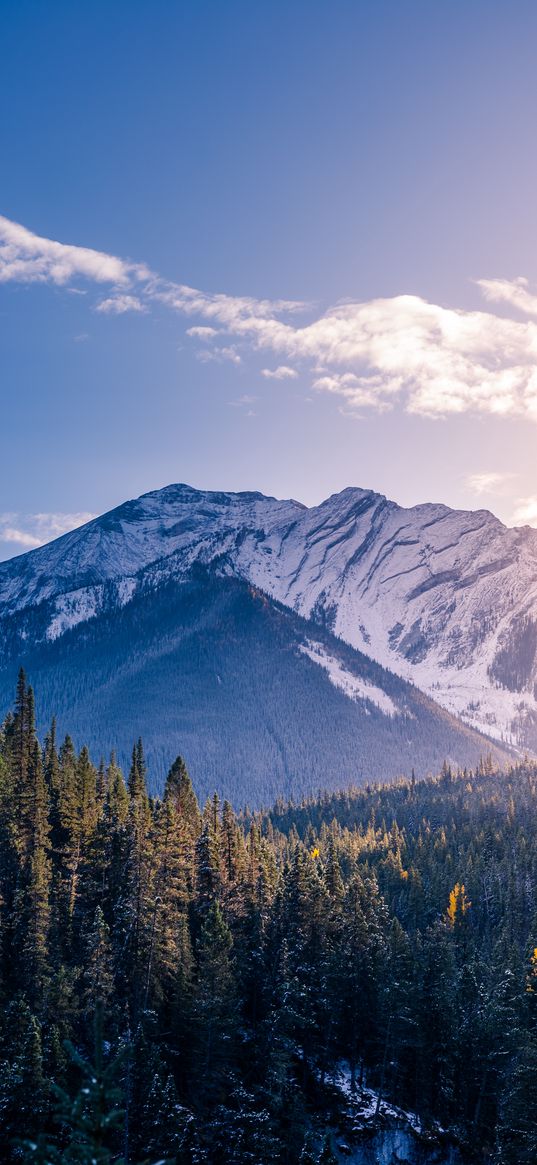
(397, 1146)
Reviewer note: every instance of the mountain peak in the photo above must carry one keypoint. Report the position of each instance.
(446, 598)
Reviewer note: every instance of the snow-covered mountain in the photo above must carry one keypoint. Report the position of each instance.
(445, 598)
(261, 702)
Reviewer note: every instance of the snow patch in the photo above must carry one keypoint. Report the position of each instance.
(353, 686)
(366, 1104)
(125, 590)
(73, 608)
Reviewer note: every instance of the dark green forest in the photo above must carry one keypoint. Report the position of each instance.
(184, 983)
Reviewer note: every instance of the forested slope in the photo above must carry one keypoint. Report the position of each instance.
(239, 963)
(242, 687)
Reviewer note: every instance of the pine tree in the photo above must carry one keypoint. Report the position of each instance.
(69, 838)
(94, 1116)
(208, 876)
(98, 974)
(135, 914)
(517, 1134)
(20, 747)
(137, 778)
(232, 847)
(117, 797)
(51, 765)
(179, 788)
(23, 1087)
(332, 874)
(182, 1002)
(171, 890)
(33, 900)
(213, 1007)
(165, 1123)
(87, 790)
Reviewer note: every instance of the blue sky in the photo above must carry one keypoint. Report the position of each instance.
(372, 162)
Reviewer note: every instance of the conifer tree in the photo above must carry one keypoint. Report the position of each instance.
(517, 1135)
(135, 914)
(69, 837)
(165, 1123)
(179, 788)
(23, 1087)
(208, 876)
(33, 899)
(117, 797)
(94, 1116)
(214, 1005)
(98, 973)
(86, 780)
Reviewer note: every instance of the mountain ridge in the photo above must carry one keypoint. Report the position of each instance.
(261, 702)
(446, 599)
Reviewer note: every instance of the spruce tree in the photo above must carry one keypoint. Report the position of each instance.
(32, 904)
(213, 1007)
(94, 1116)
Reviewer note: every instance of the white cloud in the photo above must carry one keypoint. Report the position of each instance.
(525, 512)
(20, 537)
(237, 314)
(202, 333)
(434, 361)
(31, 530)
(219, 355)
(53, 525)
(512, 291)
(282, 372)
(119, 304)
(28, 258)
(486, 483)
(357, 393)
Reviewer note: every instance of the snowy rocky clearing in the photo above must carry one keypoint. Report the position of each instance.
(380, 1133)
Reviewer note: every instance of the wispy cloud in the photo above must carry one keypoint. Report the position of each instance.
(525, 512)
(32, 530)
(244, 403)
(117, 305)
(219, 355)
(432, 360)
(488, 482)
(512, 291)
(19, 537)
(245, 399)
(282, 372)
(28, 258)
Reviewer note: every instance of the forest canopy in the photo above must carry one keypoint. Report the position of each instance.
(184, 983)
